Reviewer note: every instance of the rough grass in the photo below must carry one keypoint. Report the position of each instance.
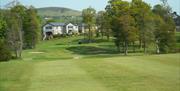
(63, 65)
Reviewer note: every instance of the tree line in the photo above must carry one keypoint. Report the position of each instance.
(19, 29)
(135, 23)
(130, 24)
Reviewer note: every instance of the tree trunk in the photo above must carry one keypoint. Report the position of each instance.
(145, 51)
(16, 53)
(118, 48)
(134, 47)
(108, 37)
(97, 33)
(107, 34)
(126, 48)
(89, 35)
(102, 34)
(21, 43)
(123, 47)
(84, 36)
(140, 43)
(157, 49)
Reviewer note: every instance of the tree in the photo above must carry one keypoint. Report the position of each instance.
(99, 23)
(89, 19)
(122, 23)
(5, 53)
(103, 22)
(14, 33)
(127, 30)
(31, 28)
(20, 26)
(107, 25)
(3, 27)
(142, 14)
(30, 25)
(115, 9)
(165, 28)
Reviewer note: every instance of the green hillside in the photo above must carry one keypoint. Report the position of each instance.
(57, 12)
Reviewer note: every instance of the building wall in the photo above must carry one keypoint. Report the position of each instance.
(177, 28)
(47, 30)
(73, 28)
(55, 29)
(63, 29)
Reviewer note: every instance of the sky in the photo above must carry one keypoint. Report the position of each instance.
(81, 4)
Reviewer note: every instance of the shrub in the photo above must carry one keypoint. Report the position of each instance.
(5, 53)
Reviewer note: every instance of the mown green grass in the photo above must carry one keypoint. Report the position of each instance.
(178, 40)
(64, 65)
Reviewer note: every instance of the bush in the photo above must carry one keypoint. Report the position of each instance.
(5, 53)
(165, 49)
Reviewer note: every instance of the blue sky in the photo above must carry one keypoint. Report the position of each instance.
(81, 4)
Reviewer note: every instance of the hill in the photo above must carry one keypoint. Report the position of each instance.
(57, 12)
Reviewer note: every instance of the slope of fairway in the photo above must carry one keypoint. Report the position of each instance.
(55, 66)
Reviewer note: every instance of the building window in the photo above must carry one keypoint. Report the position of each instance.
(48, 27)
(70, 26)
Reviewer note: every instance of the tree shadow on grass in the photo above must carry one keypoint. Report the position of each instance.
(60, 44)
(91, 41)
(91, 50)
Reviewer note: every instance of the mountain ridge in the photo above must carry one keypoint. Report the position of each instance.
(57, 12)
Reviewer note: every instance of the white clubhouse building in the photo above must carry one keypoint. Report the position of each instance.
(51, 29)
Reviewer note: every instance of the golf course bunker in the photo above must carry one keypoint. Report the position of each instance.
(36, 52)
(77, 57)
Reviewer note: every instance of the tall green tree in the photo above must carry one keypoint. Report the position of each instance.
(165, 28)
(89, 19)
(142, 13)
(5, 53)
(30, 25)
(14, 33)
(99, 23)
(115, 9)
(127, 31)
(122, 23)
(103, 22)
(31, 28)
(3, 27)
